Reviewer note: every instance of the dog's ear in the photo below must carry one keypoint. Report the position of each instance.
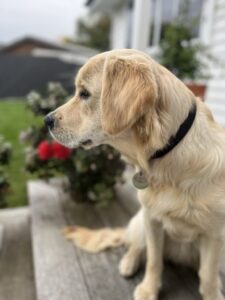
(128, 90)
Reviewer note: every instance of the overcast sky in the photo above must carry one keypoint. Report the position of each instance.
(50, 19)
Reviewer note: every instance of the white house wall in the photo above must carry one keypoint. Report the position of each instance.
(215, 96)
(119, 28)
(141, 24)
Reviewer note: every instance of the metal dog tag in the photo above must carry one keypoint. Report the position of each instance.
(140, 181)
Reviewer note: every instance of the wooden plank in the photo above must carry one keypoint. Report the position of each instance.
(176, 285)
(97, 273)
(173, 288)
(189, 279)
(16, 268)
(101, 270)
(57, 269)
(118, 216)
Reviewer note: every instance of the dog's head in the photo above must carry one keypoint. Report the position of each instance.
(113, 91)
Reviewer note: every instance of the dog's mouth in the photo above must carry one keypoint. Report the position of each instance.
(87, 143)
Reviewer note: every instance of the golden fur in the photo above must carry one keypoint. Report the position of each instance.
(97, 240)
(135, 105)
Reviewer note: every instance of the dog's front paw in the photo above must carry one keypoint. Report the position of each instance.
(220, 296)
(142, 292)
(210, 291)
(215, 296)
(129, 264)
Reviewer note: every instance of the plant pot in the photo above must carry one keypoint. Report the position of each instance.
(198, 90)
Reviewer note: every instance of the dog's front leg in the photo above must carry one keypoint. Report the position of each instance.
(210, 253)
(148, 289)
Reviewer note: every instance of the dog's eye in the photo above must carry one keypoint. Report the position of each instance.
(84, 94)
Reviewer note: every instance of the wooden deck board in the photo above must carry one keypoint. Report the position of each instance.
(178, 282)
(62, 269)
(16, 268)
(185, 282)
(57, 270)
(101, 270)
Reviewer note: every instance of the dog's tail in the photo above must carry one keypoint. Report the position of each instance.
(95, 241)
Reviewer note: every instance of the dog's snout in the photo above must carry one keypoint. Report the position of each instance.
(49, 121)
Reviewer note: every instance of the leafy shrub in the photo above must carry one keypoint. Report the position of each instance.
(5, 153)
(91, 173)
(179, 53)
(94, 35)
(183, 55)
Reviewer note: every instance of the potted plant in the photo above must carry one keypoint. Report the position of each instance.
(183, 55)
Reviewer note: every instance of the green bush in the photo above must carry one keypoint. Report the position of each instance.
(95, 35)
(5, 153)
(180, 52)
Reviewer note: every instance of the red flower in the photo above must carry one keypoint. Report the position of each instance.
(45, 150)
(60, 151)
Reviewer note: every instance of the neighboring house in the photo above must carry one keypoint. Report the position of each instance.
(29, 63)
(27, 44)
(138, 24)
(19, 74)
(40, 47)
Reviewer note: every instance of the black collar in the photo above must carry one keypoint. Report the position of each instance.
(182, 131)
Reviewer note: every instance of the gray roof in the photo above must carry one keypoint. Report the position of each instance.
(46, 44)
(21, 73)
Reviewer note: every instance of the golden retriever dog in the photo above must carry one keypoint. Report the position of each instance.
(126, 99)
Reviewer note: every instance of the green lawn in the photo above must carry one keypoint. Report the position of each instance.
(14, 117)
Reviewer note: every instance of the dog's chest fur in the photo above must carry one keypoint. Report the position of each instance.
(182, 218)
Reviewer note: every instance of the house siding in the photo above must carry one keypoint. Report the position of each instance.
(19, 74)
(215, 96)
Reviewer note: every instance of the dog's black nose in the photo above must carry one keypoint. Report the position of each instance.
(49, 121)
